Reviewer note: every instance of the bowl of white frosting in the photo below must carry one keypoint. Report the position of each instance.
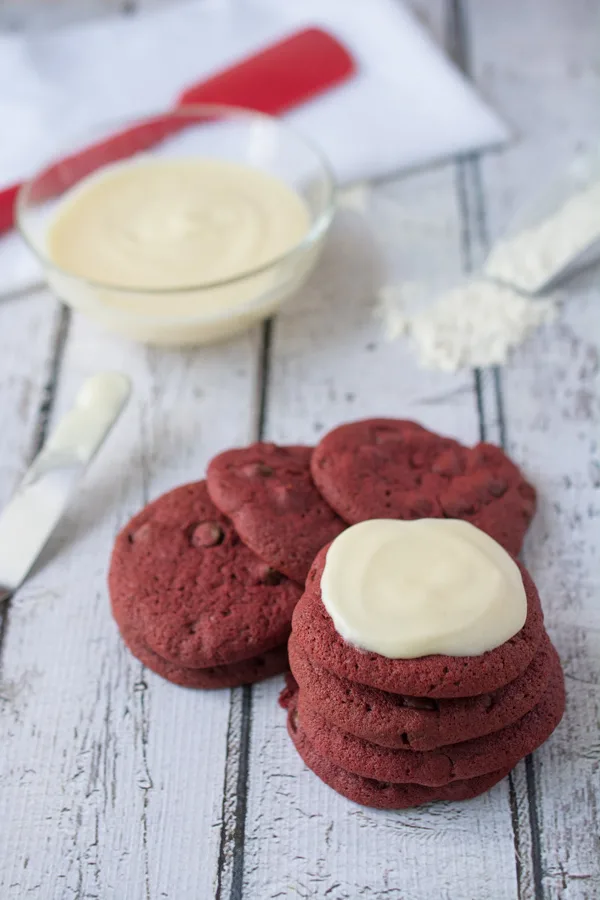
(183, 228)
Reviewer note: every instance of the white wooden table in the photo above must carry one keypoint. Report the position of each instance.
(115, 784)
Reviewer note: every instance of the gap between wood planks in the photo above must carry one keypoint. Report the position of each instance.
(230, 865)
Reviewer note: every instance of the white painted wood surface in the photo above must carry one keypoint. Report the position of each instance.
(115, 785)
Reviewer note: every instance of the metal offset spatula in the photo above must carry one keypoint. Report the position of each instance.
(32, 514)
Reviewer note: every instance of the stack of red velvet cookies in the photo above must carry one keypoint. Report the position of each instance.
(205, 579)
(398, 732)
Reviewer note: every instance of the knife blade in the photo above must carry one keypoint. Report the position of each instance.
(28, 520)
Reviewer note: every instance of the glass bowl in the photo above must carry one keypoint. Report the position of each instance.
(194, 313)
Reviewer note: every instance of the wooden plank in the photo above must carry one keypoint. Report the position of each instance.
(30, 341)
(551, 407)
(552, 397)
(329, 364)
(29, 332)
(112, 778)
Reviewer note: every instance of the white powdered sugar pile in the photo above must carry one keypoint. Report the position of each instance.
(479, 322)
(475, 324)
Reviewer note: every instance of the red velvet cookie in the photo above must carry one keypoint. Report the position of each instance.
(427, 676)
(183, 581)
(501, 750)
(269, 494)
(381, 794)
(394, 469)
(272, 662)
(419, 723)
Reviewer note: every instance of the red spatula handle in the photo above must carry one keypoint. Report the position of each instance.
(277, 78)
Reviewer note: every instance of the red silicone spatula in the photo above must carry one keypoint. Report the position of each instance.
(277, 78)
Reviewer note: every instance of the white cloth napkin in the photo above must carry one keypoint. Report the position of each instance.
(407, 106)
